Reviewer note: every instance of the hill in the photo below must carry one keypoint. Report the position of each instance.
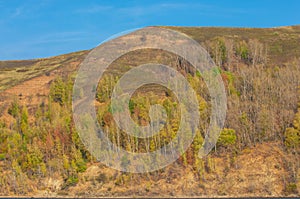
(258, 152)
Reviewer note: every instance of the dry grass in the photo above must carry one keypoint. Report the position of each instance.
(283, 42)
(256, 171)
(14, 72)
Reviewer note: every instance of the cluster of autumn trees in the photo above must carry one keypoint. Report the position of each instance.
(262, 102)
(262, 96)
(44, 144)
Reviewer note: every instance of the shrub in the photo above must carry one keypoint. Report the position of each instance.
(291, 188)
(292, 134)
(81, 166)
(101, 178)
(243, 51)
(14, 109)
(48, 73)
(2, 156)
(227, 137)
(292, 137)
(71, 181)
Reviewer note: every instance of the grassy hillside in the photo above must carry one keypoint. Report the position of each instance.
(282, 42)
(15, 72)
(258, 152)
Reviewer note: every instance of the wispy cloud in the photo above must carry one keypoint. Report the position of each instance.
(94, 9)
(17, 12)
(20, 11)
(131, 10)
(161, 8)
(35, 47)
(182, 5)
(8, 15)
(61, 37)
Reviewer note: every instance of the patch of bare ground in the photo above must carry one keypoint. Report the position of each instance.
(32, 92)
(259, 170)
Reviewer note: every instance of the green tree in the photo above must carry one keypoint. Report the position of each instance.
(292, 137)
(58, 91)
(243, 51)
(14, 109)
(227, 138)
(292, 134)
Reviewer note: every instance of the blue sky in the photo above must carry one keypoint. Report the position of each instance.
(42, 28)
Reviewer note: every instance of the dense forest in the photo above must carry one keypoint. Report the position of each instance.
(261, 72)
